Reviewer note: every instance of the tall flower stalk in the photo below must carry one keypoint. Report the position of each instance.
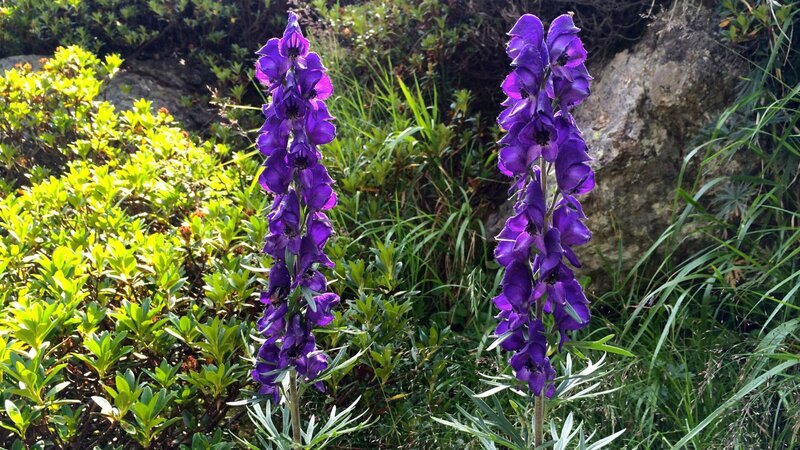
(545, 155)
(296, 300)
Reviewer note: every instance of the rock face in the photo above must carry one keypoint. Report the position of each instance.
(168, 84)
(646, 105)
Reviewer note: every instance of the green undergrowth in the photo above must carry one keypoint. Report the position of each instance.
(125, 301)
(130, 261)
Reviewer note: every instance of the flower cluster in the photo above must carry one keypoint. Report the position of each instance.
(535, 246)
(297, 123)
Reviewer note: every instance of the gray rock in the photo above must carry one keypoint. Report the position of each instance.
(12, 61)
(168, 84)
(647, 104)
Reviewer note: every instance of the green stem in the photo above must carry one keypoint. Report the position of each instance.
(538, 422)
(294, 407)
(538, 405)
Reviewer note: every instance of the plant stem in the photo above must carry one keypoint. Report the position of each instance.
(538, 402)
(294, 407)
(538, 421)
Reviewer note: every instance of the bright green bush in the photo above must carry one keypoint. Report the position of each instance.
(50, 117)
(123, 293)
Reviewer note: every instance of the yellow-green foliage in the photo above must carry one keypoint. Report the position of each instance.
(108, 271)
(50, 116)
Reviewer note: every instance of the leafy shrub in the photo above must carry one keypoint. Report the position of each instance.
(49, 116)
(34, 26)
(124, 296)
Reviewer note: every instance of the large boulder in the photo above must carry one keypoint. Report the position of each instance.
(647, 105)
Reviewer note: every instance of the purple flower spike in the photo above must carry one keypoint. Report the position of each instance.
(540, 136)
(542, 144)
(271, 66)
(568, 219)
(276, 175)
(272, 324)
(570, 92)
(318, 125)
(514, 241)
(528, 31)
(532, 365)
(517, 285)
(279, 282)
(296, 123)
(572, 311)
(266, 370)
(533, 203)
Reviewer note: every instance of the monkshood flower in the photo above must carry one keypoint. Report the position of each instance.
(296, 123)
(542, 144)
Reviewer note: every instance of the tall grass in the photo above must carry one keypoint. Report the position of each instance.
(404, 170)
(711, 309)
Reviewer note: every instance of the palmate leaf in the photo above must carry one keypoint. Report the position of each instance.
(339, 364)
(596, 445)
(482, 429)
(589, 374)
(268, 435)
(492, 391)
(483, 433)
(492, 427)
(338, 424)
(499, 340)
(498, 418)
(570, 310)
(566, 435)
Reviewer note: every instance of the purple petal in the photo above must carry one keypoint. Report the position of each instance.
(293, 44)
